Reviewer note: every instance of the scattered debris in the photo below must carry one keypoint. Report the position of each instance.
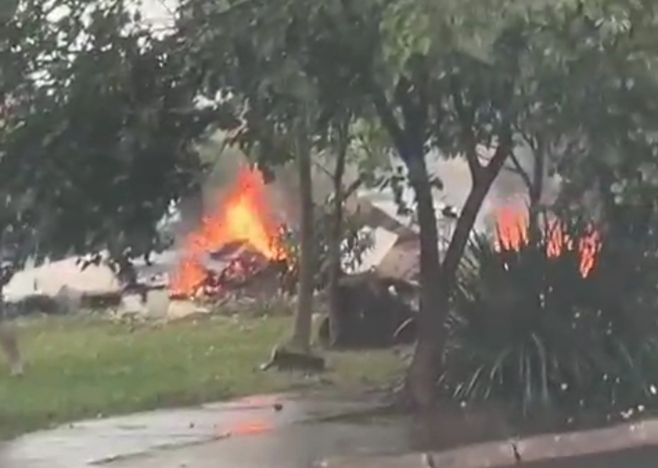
(234, 243)
(287, 360)
(373, 311)
(397, 255)
(236, 256)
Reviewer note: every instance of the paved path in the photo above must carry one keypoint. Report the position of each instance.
(245, 433)
(293, 432)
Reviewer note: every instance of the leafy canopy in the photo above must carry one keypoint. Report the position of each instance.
(98, 130)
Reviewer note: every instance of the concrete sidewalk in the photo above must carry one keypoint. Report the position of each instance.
(287, 431)
(260, 431)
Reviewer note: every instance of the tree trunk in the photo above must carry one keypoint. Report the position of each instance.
(335, 238)
(463, 230)
(437, 282)
(301, 339)
(538, 178)
(433, 297)
(535, 192)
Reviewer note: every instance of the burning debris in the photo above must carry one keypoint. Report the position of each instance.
(238, 244)
(286, 360)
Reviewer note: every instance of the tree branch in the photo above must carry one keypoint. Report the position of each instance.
(412, 95)
(497, 161)
(353, 187)
(326, 171)
(467, 132)
(386, 115)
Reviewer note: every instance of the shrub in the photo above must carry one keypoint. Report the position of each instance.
(535, 327)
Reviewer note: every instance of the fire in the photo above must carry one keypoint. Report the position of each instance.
(512, 234)
(244, 216)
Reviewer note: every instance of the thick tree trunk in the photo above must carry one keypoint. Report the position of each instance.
(463, 230)
(437, 282)
(433, 297)
(335, 239)
(301, 339)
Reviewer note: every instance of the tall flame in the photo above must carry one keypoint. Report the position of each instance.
(512, 234)
(243, 216)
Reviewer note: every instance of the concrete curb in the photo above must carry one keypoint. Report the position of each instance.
(532, 449)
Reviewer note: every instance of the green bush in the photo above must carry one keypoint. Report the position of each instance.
(530, 328)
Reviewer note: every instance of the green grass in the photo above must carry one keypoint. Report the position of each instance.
(85, 367)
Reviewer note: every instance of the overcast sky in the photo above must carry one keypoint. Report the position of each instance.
(157, 11)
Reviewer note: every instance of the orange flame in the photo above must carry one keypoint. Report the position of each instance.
(512, 234)
(245, 216)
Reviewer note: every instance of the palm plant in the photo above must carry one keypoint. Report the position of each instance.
(532, 325)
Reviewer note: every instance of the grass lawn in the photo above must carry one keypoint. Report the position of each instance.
(86, 367)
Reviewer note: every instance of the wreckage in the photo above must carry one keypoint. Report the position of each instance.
(238, 251)
(373, 311)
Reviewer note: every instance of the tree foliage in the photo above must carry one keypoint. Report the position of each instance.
(98, 130)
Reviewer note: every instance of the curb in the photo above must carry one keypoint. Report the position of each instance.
(501, 453)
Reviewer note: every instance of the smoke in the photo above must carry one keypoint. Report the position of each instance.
(507, 190)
